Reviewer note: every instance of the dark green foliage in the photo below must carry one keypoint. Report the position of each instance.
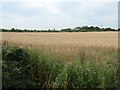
(16, 54)
(89, 75)
(15, 67)
(67, 30)
(28, 68)
(76, 29)
(24, 68)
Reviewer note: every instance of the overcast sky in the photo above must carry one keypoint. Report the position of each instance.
(50, 14)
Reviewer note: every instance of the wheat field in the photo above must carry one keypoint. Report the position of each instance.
(107, 39)
(61, 60)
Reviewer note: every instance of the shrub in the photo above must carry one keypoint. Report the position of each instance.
(89, 75)
(15, 63)
(30, 68)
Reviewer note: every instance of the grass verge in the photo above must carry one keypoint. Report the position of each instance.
(43, 68)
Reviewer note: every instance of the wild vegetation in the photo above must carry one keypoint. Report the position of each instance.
(48, 67)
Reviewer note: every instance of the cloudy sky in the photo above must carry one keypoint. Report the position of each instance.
(50, 14)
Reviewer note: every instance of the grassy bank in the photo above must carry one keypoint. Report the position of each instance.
(61, 67)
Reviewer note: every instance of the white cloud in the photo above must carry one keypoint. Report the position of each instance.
(50, 6)
(58, 17)
(107, 19)
(60, 0)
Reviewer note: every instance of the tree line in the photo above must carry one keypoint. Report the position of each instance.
(76, 29)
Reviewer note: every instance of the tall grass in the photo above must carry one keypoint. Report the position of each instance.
(85, 67)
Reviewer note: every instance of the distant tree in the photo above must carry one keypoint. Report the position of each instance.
(67, 30)
(12, 29)
(118, 29)
(76, 29)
